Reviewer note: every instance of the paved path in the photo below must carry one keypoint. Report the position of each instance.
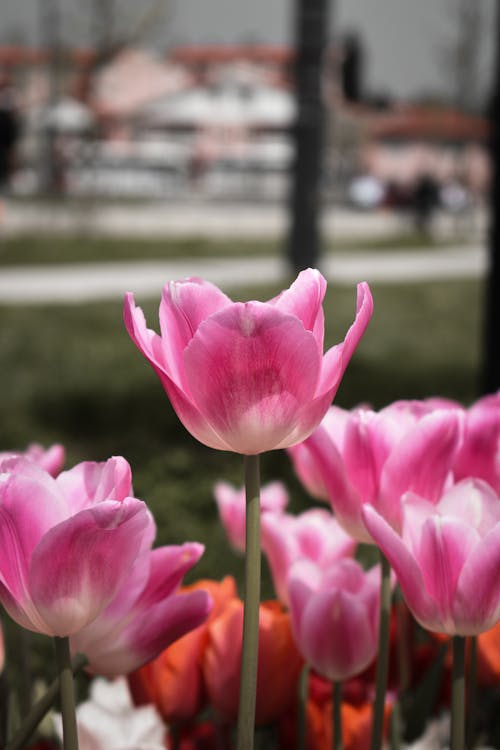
(77, 283)
(214, 219)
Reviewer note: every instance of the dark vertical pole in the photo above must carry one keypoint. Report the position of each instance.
(311, 33)
(50, 18)
(491, 356)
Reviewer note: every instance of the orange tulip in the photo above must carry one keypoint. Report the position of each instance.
(279, 662)
(356, 718)
(488, 657)
(173, 681)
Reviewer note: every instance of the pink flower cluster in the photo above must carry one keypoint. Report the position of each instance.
(76, 560)
(420, 479)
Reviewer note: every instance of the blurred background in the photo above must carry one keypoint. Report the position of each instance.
(239, 141)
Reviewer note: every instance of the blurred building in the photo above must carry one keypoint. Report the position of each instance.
(215, 120)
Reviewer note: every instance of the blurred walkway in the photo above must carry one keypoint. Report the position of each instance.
(79, 282)
(212, 219)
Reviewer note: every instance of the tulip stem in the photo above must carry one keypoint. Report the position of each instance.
(41, 707)
(472, 708)
(250, 645)
(301, 713)
(67, 693)
(337, 716)
(383, 655)
(457, 741)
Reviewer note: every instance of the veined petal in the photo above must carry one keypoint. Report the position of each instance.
(336, 634)
(89, 483)
(359, 457)
(303, 581)
(473, 502)
(184, 305)
(304, 300)
(80, 563)
(337, 358)
(149, 632)
(168, 566)
(445, 545)
(477, 605)
(409, 575)
(259, 366)
(146, 340)
(30, 504)
(344, 499)
(420, 463)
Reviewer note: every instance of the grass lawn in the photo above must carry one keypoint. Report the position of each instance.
(25, 250)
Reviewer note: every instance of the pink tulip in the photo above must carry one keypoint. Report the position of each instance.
(335, 613)
(447, 557)
(68, 544)
(52, 459)
(314, 535)
(147, 613)
(247, 377)
(479, 455)
(367, 457)
(231, 504)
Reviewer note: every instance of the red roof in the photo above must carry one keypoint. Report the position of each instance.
(425, 123)
(214, 53)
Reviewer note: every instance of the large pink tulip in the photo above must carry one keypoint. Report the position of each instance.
(51, 459)
(447, 557)
(247, 377)
(335, 614)
(147, 613)
(231, 504)
(371, 457)
(313, 535)
(67, 544)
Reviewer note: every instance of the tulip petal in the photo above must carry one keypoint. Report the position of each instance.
(344, 499)
(259, 366)
(168, 566)
(360, 462)
(304, 300)
(477, 605)
(420, 462)
(148, 633)
(89, 483)
(80, 563)
(303, 581)
(344, 647)
(184, 305)
(30, 505)
(445, 545)
(150, 345)
(405, 566)
(337, 358)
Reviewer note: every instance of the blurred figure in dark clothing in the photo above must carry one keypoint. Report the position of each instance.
(425, 203)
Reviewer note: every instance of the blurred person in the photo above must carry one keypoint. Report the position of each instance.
(425, 203)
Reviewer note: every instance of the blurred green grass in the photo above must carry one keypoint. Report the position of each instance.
(71, 374)
(32, 249)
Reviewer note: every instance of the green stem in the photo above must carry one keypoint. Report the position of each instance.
(67, 693)
(457, 741)
(337, 716)
(472, 707)
(250, 645)
(301, 713)
(383, 655)
(41, 707)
